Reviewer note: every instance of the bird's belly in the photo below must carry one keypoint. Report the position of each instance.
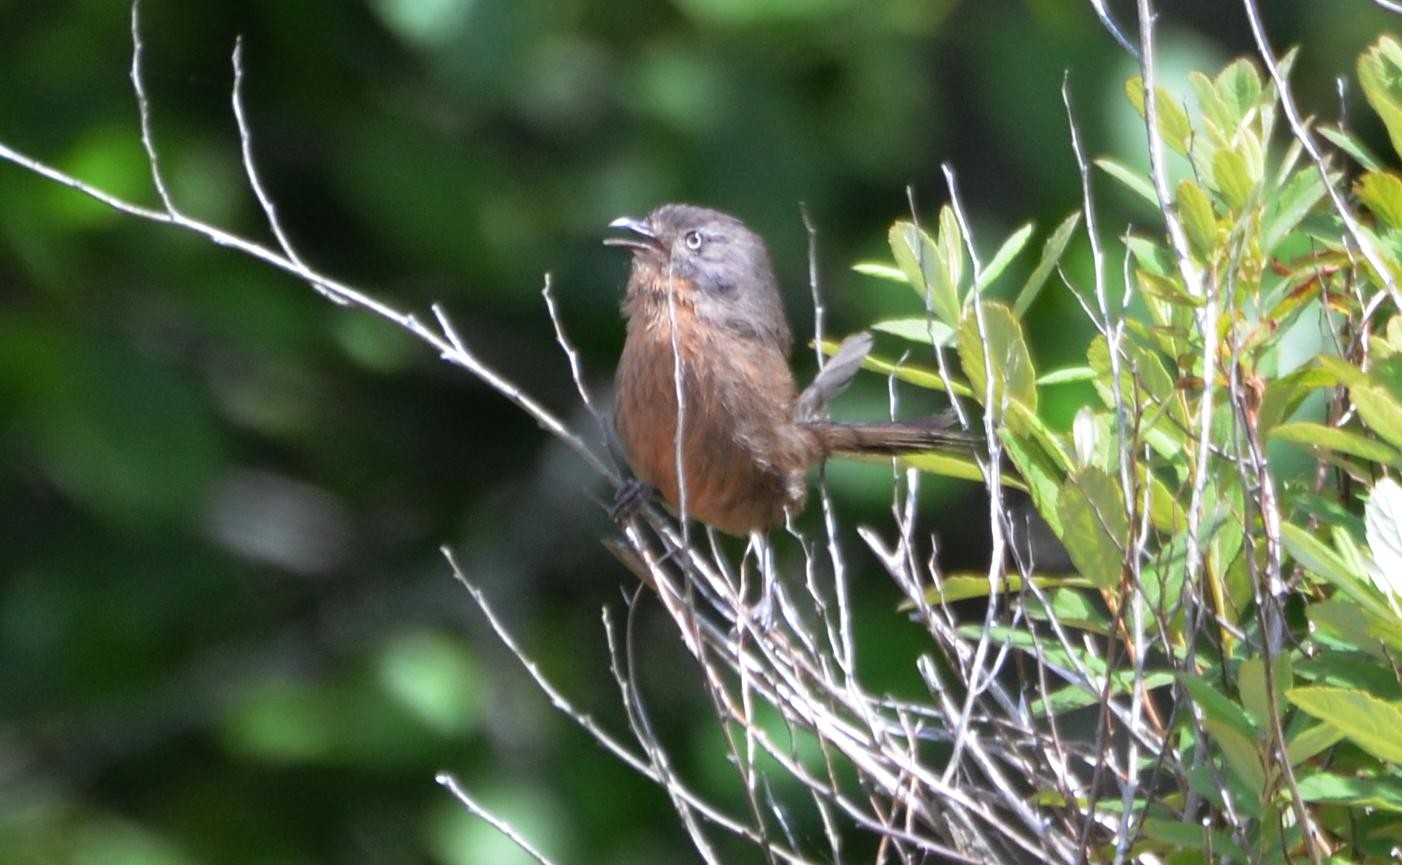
(736, 477)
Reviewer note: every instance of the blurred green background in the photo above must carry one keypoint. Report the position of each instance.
(226, 634)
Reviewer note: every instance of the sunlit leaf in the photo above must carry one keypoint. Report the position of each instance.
(1372, 724)
(1051, 254)
(924, 331)
(1173, 125)
(1134, 181)
(1003, 257)
(881, 271)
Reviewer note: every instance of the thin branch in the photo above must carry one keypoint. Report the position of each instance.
(449, 782)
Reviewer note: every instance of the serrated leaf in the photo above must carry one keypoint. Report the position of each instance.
(1051, 254)
(1382, 192)
(1094, 525)
(1352, 146)
(1003, 257)
(1372, 724)
(919, 259)
(924, 331)
(1334, 439)
(1380, 74)
(1195, 211)
(1133, 180)
(1001, 349)
(1173, 125)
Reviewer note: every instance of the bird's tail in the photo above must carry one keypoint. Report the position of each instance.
(889, 438)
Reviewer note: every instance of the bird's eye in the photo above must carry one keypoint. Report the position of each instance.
(694, 239)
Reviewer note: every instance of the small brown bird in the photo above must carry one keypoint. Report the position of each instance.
(703, 300)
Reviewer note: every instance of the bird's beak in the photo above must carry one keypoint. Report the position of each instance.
(641, 237)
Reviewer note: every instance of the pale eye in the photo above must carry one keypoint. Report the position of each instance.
(694, 239)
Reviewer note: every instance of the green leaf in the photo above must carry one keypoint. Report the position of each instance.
(961, 467)
(1292, 203)
(911, 373)
(881, 271)
(1251, 686)
(1382, 793)
(1312, 554)
(1051, 254)
(920, 260)
(1067, 376)
(1041, 472)
(951, 244)
(1382, 192)
(924, 331)
(1133, 180)
(1311, 741)
(1173, 125)
(962, 587)
(1217, 706)
(1379, 410)
(1232, 176)
(1232, 730)
(1239, 87)
(1380, 74)
(1341, 371)
(1334, 439)
(1352, 146)
(1195, 211)
(1169, 289)
(1094, 525)
(1004, 256)
(1284, 394)
(1001, 350)
(1372, 724)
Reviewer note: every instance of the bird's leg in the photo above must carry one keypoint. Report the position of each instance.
(630, 499)
(768, 602)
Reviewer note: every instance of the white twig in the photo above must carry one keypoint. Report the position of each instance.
(449, 782)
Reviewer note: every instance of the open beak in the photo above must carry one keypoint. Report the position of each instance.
(640, 235)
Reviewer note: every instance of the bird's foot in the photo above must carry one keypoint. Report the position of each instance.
(630, 499)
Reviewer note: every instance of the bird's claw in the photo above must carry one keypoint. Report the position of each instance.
(630, 499)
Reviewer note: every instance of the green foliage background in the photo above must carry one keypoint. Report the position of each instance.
(225, 632)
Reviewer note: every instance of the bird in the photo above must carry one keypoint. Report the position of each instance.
(705, 322)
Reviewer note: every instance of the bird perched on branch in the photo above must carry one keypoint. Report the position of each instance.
(705, 323)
